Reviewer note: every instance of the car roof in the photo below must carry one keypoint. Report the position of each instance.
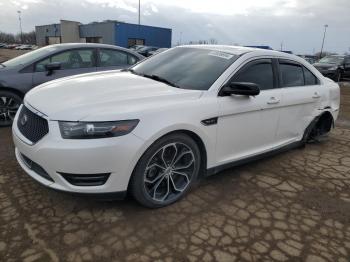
(240, 50)
(61, 47)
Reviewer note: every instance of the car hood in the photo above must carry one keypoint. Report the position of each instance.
(324, 65)
(104, 96)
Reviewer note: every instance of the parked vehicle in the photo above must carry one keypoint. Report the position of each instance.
(335, 67)
(160, 50)
(136, 47)
(24, 47)
(145, 51)
(156, 128)
(19, 75)
(12, 46)
(310, 58)
(3, 45)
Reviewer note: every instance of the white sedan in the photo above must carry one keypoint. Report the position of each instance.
(158, 127)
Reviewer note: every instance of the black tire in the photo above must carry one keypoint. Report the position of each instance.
(139, 188)
(9, 104)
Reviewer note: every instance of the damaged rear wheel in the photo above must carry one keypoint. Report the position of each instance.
(320, 128)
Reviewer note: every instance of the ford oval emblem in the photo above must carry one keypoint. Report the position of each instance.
(24, 120)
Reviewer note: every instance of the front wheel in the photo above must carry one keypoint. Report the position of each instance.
(9, 104)
(166, 171)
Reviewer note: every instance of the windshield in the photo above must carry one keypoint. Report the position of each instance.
(29, 57)
(332, 60)
(187, 68)
(144, 48)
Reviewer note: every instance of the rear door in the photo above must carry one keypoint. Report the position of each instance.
(73, 62)
(302, 97)
(110, 59)
(247, 125)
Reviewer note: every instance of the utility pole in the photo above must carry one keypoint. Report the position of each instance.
(139, 12)
(324, 36)
(180, 38)
(20, 25)
(281, 46)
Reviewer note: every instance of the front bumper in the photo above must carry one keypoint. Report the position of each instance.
(116, 156)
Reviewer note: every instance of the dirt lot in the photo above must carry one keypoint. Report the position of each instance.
(294, 206)
(6, 54)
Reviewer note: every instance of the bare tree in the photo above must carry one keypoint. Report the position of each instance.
(213, 41)
(28, 38)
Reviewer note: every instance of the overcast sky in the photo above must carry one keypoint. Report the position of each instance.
(299, 24)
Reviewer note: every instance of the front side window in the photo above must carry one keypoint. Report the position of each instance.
(292, 75)
(187, 67)
(72, 59)
(310, 78)
(347, 61)
(110, 57)
(260, 73)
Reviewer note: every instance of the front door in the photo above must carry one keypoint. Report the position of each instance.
(73, 62)
(247, 125)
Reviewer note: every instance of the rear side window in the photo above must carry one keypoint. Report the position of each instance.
(292, 75)
(310, 79)
(111, 57)
(132, 59)
(259, 73)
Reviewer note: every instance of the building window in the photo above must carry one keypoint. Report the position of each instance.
(135, 41)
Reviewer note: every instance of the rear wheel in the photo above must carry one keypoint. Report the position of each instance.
(318, 128)
(166, 172)
(9, 104)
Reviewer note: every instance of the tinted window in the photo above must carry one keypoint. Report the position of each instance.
(109, 57)
(187, 67)
(72, 59)
(260, 73)
(30, 56)
(132, 59)
(292, 75)
(310, 79)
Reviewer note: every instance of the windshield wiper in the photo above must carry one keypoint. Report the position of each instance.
(160, 79)
(154, 77)
(1, 64)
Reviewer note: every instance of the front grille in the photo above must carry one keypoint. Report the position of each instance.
(86, 179)
(36, 168)
(32, 126)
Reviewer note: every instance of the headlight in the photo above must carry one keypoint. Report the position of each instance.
(92, 130)
(333, 68)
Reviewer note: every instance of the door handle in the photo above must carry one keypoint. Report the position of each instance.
(316, 95)
(273, 101)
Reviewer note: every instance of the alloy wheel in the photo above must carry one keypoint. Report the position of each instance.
(8, 109)
(169, 172)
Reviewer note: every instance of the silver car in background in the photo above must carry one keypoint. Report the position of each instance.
(19, 75)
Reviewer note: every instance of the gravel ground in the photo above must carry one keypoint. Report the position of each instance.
(291, 207)
(6, 54)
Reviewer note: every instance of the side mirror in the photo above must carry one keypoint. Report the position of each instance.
(240, 88)
(52, 67)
